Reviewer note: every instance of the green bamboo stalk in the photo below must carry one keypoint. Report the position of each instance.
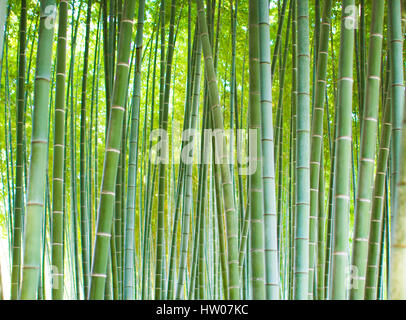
(112, 35)
(59, 158)
(293, 147)
(397, 280)
(138, 280)
(331, 198)
(92, 153)
(9, 149)
(19, 199)
(367, 152)
(217, 117)
(256, 187)
(118, 218)
(383, 247)
(200, 207)
(114, 271)
(321, 252)
(317, 137)
(39, 143)
(219, 203)
(132, 175)
(279, 133)
(268, 175)
(172, 241)
(279, 113)
(161, 177)
(187, 192)
(278, 41)
(302, 153)
(290, 210)
(181, 186)
(221, 228)
(107, 72)
(105, 215)
(343, 153)
(362, 66)
(233, 95)
(375, 232)
(118, 208)
(108, 289)
(84, 209)
(73, 197)
(197, 276)
(397, 97)
(149, 187)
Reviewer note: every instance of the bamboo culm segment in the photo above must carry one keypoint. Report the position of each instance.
(256, 188)
(343, 154)
(19, 202)
(316, 143)
(397, 96)
(39, 144)
(268, 175)
(302, 153)
(231, 217)
(129, 283)
(107, 195)
(397, 281)
(367, 152)
(84, 210)
(58, 215)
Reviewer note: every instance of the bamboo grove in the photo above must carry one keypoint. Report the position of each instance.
(202, 149)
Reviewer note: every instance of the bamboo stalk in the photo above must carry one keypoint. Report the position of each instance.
(19, 198)
(38, 165)
(342, 169)
(114, 133)
(225, 172)
(302, 153)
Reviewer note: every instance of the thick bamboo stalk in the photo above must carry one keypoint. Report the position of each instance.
(340, 266)
(129, 292)
(397, 281)
(39, 145)
(397, 97)
(302, 153)
(317, 138)
(231, 218)
(19, 198)
(59, 158)
(377, 210)
(107, 194)
(367, 152)
(256, 187)
(268, 175)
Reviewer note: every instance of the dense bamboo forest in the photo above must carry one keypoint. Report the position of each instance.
(161, 150)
